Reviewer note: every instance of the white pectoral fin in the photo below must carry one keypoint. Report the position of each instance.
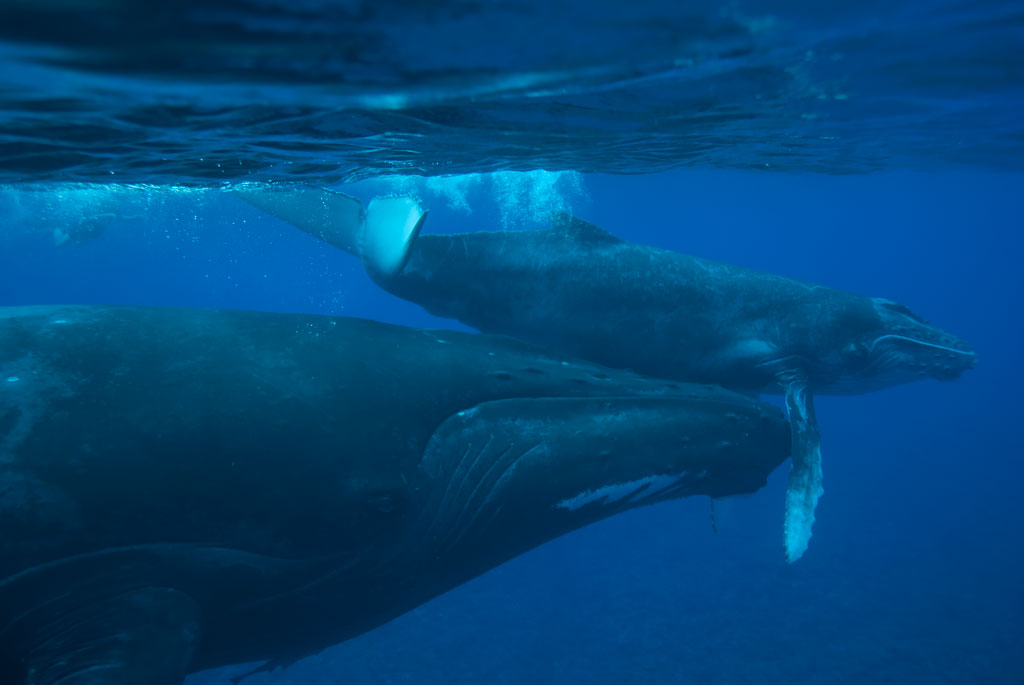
(335, 218)
(391, 227)
(804, 488)
(382, 236)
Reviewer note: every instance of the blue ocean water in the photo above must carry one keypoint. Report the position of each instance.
(113, 195)
(913, 572)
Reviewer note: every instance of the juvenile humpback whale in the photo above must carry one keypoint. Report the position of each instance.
(584, 292)
(182, 489)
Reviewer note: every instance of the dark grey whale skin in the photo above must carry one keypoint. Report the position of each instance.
(582, 291)
(182, 489)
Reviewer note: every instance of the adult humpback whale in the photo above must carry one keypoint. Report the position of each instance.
(585, 292)
(181, 489)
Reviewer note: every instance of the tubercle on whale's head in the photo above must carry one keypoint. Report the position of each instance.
(890, 345)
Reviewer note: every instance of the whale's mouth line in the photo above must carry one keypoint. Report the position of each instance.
(923, 343)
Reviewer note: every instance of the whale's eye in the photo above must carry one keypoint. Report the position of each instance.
(856, 352)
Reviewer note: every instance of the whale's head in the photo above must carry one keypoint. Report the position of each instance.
(881, 344)
(511, 474)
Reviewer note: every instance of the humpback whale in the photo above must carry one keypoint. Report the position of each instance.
(183, 489)
(582, 291)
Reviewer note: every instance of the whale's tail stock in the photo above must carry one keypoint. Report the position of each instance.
(382, 235)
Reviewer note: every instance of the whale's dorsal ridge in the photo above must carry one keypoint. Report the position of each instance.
(579, 230)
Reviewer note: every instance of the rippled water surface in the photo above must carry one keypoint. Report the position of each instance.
(206, 92)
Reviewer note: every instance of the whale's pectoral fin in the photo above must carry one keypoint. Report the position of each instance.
(804, 488)
(146, 635)
(382, 236)
(392, 224)
(335, 218)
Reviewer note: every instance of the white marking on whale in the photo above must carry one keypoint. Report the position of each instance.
(617, 492)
